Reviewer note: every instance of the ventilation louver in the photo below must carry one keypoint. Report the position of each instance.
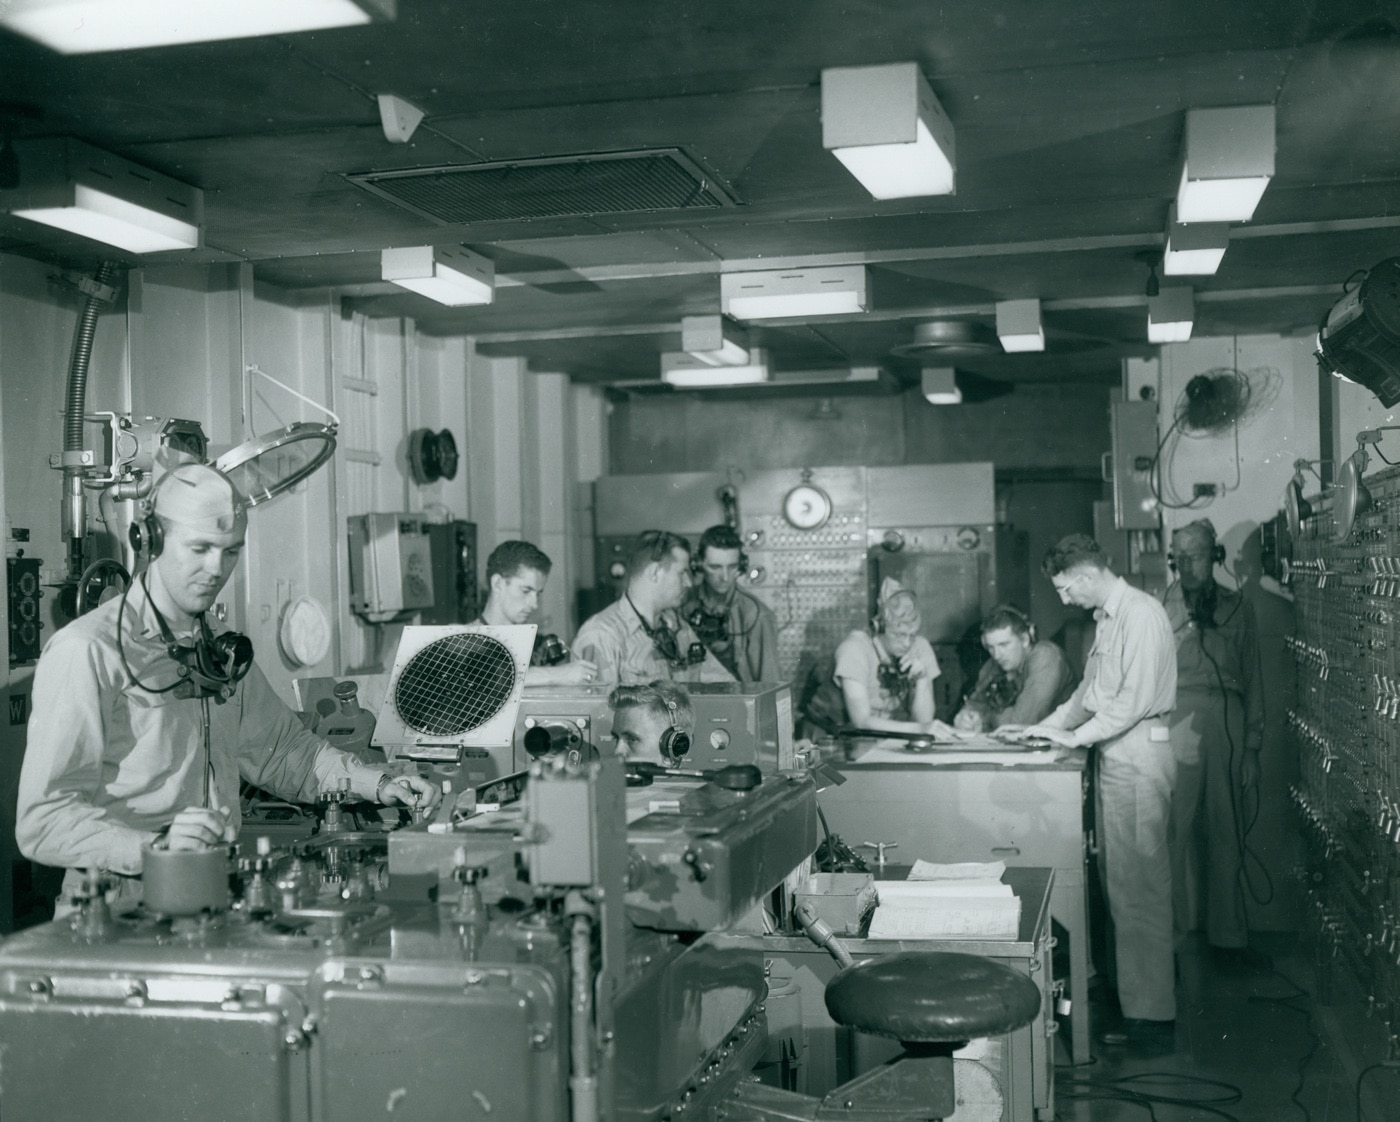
(551, 187)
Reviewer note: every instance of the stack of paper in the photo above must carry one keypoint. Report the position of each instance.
(966, 901)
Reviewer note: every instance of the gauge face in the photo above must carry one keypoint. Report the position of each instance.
(806, 507)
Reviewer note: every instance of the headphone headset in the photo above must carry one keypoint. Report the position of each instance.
(697, 559)
(146, 535)
(1217, 556)
(675, 741)
(1204, 526)
(1015, 613)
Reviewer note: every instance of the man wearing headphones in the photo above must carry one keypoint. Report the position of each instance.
(146, 716)
(516, 573)
(1022, 681)
(641, 637)
(739, 629)
(653, 722)
(1217, 732)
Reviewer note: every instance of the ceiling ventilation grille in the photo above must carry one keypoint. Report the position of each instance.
(553, 187)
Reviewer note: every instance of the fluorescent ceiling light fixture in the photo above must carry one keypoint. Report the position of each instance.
(793, 293)
(1228, 164)
(714, 340)
(686, 372)
(75, 187)
(1019, 327)
(451, 275)
(1194, 249)
(940, 386)
(885, 124)
(74, 27)
(1170, 315)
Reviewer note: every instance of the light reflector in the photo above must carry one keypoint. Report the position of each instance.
(451, 275)
(1019, 327)
(714, 340)
(1193, 249)
(1228, 163)
(940, 386)
(688, 373)
(87, 26)
(73, 186)
(793, 293)
(885, 124)
(1170, 315)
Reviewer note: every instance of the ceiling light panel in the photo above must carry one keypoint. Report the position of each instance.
(1228, 163)
(1195, 248)
(1170, 315)
(451, 275)
(687, 372)
(794, 293)
(90, 26)
(714, 340)
(73, 186)
(885, 124)
(940, 385)
(1019, 327)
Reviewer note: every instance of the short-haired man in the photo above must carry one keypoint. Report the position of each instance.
(126, 749)
(641, 637)
(1217, 732)
(643, 714)
(1023, 680)
(1124, 706)
(516, 575)
(738, 628)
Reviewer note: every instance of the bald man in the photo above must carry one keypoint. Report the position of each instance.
(132, 745)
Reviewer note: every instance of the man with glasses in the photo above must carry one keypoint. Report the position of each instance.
(1123, 705)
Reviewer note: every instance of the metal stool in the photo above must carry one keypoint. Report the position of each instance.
(933, 1004)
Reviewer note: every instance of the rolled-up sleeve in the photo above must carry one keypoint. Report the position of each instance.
(58, 820)
(277, 753)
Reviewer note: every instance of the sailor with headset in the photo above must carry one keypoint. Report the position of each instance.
(1217, 732)
(739, 630)
(146, 715)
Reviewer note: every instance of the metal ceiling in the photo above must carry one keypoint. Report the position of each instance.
(1069, 120)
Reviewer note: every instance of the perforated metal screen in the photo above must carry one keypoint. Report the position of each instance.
(455, 684)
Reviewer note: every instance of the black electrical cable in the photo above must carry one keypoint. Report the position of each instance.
(1125, 1089)
(1154, 474)
(1362, 1077)
(1315, 1040)
(121, 647)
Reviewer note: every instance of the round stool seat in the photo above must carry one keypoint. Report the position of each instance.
(932, 997)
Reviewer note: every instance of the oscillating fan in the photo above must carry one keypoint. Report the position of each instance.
(454, 687)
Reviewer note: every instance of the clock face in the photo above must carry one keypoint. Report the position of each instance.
(806, 507)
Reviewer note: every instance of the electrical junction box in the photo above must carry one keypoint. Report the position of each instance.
(1134, 436)
(391, 565)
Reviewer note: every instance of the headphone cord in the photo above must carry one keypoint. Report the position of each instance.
(121, 647)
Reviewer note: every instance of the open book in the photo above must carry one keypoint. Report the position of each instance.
(965, 902)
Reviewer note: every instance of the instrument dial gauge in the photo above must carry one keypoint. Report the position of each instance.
(807, 507)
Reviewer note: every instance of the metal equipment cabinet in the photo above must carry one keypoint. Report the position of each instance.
(1027, 814)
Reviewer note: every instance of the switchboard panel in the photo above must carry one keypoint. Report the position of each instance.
(1345, 728)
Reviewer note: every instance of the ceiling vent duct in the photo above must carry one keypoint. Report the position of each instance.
(949, 339)
(550, 187)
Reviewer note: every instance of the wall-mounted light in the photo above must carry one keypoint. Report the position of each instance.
(74, 27)
(75, 187)
(1228, 163)
(793, 293)
(885, 124)
(689, 373)
(714, 340)
(1019, 327)
(1171, 315)
(1194, 249)
(940, 386)
(451, 275)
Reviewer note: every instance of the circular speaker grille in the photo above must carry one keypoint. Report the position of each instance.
(455, 684)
